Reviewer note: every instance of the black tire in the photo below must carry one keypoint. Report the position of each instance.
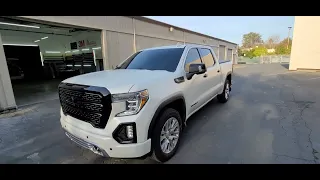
(222, 97)
(157, 153)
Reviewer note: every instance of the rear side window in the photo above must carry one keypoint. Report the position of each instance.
(154, 59)
(193, 57)
(207, 57)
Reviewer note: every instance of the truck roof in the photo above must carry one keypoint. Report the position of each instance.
(176, 46)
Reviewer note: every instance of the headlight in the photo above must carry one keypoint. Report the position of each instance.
(134, 102)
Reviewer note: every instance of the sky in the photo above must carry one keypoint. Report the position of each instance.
(232, 28)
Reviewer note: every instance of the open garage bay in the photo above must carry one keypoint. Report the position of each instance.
(39, 56)
(272, 117)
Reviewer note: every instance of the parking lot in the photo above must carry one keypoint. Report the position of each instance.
(271, 117)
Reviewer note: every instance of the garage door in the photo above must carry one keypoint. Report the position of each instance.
(229, 55)
(222, 54)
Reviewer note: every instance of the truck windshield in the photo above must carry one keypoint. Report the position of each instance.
(154, 59)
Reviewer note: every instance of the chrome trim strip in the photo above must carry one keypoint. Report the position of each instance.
(87, 145)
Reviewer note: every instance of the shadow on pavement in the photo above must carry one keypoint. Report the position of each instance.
(285, 66)
(266, 120)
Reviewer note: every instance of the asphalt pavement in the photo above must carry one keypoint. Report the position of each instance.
(272, 117)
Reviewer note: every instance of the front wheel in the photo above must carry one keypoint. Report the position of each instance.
(166, 135)
(224, 96)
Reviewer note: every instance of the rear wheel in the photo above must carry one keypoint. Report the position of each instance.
(166, 135)
(224, 96)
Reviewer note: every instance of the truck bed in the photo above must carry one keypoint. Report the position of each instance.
(223, 61)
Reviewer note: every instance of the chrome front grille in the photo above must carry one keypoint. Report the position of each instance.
(86, 103)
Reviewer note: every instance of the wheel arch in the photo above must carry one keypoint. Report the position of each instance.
(171, 102)
(229, 77)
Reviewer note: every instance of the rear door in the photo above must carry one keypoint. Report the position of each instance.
(213, 74)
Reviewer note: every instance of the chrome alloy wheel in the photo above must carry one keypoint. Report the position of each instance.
(227, 91)
(169, 135)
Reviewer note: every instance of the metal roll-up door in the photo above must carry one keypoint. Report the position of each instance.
(222, 52)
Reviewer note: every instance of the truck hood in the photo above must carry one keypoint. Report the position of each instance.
(117, 81)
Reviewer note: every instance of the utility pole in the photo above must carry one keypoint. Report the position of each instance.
(288, 37)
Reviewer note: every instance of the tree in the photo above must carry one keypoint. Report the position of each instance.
(240, 53)
(251, 40)
(249, 53)
(283, 47)
(272, 41)
(260, 51)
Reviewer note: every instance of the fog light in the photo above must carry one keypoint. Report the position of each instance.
(125, 133)
(130, 132)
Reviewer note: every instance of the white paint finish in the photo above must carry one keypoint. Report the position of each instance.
(130, 80)
(7, 100)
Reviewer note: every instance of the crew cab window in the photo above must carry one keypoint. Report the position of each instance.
(193, 57)
(207, 57)
(154, 59)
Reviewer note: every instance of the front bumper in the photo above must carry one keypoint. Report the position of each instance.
(87, 145)
(104, 145)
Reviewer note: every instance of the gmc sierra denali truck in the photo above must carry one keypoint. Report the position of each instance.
(141, 107)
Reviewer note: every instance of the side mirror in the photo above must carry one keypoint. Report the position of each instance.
(196, 69)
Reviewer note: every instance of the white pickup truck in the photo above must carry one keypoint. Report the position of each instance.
(142, 106)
